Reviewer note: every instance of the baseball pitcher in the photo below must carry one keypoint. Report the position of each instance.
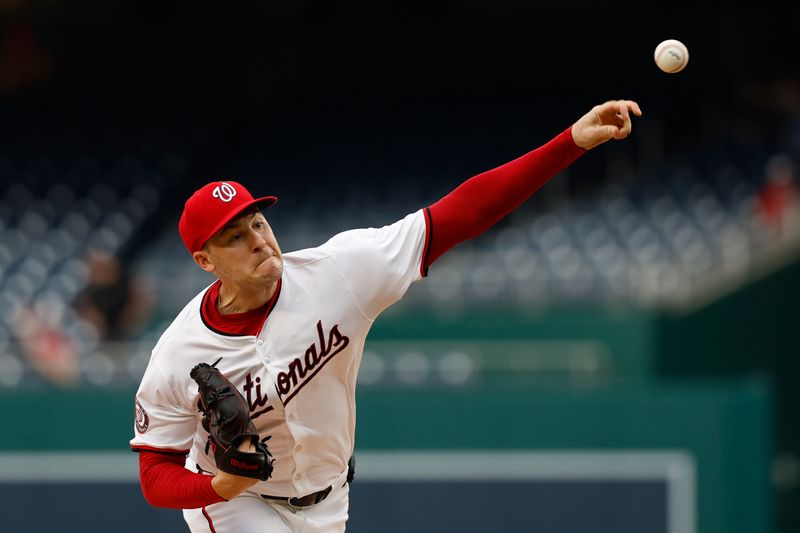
(245, 416)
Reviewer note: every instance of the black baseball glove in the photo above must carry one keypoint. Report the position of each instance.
(226, 417)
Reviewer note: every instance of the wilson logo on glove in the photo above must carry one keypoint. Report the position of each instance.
(240, 464)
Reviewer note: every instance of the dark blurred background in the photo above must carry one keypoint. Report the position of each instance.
(440, 88)
(663, 268)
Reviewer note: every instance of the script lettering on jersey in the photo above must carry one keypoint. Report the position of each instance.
(303, 369)
(256, 404)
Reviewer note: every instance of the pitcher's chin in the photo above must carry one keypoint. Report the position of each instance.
(270, 268)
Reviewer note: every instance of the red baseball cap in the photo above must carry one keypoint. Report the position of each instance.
(213, 206)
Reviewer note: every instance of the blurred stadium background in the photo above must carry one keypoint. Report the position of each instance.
(617, 355)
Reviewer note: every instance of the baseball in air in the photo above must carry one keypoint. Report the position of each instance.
(671, 56)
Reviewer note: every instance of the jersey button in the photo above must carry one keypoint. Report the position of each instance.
(298, 448)
(291, 418)
(260, 342)
(298, 476)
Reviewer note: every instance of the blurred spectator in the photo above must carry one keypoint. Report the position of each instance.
(50, 351)
(779, 197)
(116, 302)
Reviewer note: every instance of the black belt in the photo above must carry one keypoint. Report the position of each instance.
(302, 501)
(315, 497)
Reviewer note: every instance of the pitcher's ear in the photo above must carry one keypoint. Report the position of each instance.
(203, 260)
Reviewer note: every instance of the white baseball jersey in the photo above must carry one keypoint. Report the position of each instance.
(299, 373)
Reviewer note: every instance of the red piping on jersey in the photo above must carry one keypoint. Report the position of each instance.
(235, 324)
(167, 451)
(423, 267)
(210, 523)
(481, 201)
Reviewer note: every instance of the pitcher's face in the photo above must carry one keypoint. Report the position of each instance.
(244, 252)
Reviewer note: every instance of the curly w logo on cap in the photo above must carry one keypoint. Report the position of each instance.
(225, 192)
(213, 206)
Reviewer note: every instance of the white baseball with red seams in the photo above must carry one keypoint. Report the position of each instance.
(299, 373)
(671, 56)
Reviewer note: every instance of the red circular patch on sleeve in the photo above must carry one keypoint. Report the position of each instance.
(142, 420)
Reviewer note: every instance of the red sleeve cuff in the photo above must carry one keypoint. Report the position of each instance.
(166, 483)
(573, 149)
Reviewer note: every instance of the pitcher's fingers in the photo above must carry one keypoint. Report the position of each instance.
(633, 106)
(622, 109)
(625, 128)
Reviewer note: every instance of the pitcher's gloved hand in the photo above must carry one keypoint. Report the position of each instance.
(226, 417)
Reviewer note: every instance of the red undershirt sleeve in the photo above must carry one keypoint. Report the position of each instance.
(166, 483)
(481, 201)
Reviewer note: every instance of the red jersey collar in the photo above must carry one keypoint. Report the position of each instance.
(235, 324)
